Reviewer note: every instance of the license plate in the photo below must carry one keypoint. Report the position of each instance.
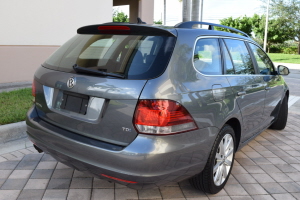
(77, 103)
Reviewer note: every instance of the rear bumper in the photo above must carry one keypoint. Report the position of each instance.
(149, 161)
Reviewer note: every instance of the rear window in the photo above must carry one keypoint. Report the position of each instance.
(134, 56)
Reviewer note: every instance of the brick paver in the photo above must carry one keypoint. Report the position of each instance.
(267, 168)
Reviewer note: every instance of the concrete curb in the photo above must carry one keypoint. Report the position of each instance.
(14, 131)
(15, 84)
(10, 132)
(6, 87)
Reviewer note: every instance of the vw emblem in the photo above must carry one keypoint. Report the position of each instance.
(71, 82)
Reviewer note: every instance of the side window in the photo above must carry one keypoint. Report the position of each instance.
(240, 56)
(207, 57)
(229, 69)
(265, 65)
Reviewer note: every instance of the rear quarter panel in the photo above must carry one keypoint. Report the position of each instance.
(182, 83)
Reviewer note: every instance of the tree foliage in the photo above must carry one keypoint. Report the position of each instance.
(276, 33)
(288, 14)
(255, 26)
(120, 16)
(241, 23)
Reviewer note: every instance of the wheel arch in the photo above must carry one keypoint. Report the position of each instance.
(236, 125)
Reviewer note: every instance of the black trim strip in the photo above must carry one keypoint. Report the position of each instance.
(77, 137)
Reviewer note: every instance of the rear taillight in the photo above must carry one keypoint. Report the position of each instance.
(162, 117)
(33, 91)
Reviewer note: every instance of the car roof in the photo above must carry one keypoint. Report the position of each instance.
(205, 32)
(211, 29)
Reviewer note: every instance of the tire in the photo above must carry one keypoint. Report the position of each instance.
(210, 180)
(281, 120)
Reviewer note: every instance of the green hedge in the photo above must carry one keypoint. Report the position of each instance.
(286, 48)
(14, 105)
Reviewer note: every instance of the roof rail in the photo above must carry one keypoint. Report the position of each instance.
(190, 24)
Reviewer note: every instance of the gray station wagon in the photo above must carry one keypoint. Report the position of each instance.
(146, 105)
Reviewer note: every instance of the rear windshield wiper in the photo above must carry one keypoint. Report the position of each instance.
(79, 69)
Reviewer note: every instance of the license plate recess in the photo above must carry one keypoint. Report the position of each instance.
(73, 102)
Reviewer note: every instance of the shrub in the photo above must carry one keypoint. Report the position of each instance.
(290, 50)
(275, 49)
(288, 47)
(157, 22)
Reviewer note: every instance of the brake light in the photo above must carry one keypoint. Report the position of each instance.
(162, 117)
(121, 28)
(33, 91)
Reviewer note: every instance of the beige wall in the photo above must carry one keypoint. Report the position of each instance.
(146, 11)
(34, 29)
(143, 9)
(18, 63)
(49, 22)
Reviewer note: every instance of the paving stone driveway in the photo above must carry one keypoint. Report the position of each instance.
(267, 168)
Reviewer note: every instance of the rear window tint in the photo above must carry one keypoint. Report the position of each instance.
(135, 56)
(97, 50)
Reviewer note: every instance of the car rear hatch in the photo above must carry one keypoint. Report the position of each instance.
(91, 84)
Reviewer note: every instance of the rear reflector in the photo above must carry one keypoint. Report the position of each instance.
(162, 117)
(33, 91)
(117, 179)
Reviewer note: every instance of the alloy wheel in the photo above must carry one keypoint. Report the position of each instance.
(223, 160)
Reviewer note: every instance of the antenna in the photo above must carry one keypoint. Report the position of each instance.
(139, 21)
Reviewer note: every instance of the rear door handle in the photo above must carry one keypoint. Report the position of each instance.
(241, 93)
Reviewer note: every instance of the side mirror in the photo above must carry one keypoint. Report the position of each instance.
(283, 70)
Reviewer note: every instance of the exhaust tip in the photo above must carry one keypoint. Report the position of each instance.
(38, 149)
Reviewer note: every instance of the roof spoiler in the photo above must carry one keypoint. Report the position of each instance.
(211, 26)
(125, 29)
